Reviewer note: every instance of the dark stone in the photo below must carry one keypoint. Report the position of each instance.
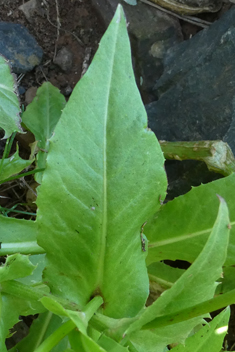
(19, 47)
(64, 59)
(151, 31)
(197, 89)
(21, 90)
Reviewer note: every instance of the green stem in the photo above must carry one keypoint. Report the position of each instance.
(21, 175)
(56, 337)
(16, 211)
(216, 154)
(11, 139)
(93, 306)
(26, 292)
(211, 305)
(4, 155)
(29, 247)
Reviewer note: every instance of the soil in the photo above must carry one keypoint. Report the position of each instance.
(75, 25)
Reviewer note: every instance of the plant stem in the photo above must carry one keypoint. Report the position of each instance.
(93, 306)
(16, 211)
(211, 305)
(56, 337)
(9, 144)
(22, 175)
(29, 247)
(216, 154)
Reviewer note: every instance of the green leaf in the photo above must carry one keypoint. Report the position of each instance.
(101, 185)
(13, 165)
(110, 345)
(18, 236)
(148, 341)
(83, 343)
(9, 103)
(163, 274)
(41, 117)
(36, 278)
(192, 216)
(210, 337)
(16, 266)
(10, 310)
(227, 283)
(196, 285)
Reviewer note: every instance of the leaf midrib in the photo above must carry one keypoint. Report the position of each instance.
(104, 217)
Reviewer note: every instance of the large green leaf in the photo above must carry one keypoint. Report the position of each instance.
(196, 285)
(104, 178)
(181, 228)
(41, 117)
(9, 103)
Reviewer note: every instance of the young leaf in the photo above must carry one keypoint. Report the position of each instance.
(9, 103)
(13, 165)
(196, 285)
(192, 216)
(41, 117)
(101, 185)
(210, 336)
(16, 266)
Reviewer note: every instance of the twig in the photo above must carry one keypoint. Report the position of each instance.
(58, 27)
(62, 29)
(86, 60)
(194, 20)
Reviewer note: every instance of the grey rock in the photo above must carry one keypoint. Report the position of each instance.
(196, 92)
(19, 47)
(64, 59)
(6, 2)
(29, 8)
(151, 32)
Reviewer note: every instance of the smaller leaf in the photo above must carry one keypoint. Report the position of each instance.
(211, 335)
(9, 103)
(163, 274)
(36, 277)
(196, 285)
(16, 266)
(227, 283)
(13, 165)
(41, 117)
